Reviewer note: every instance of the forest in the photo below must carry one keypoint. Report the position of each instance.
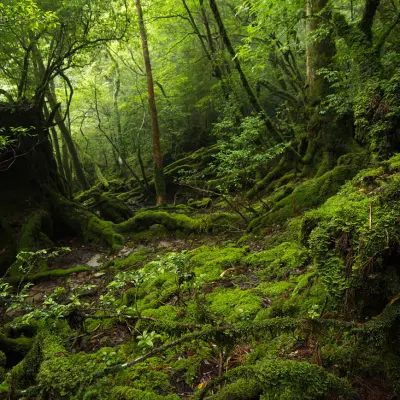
(200, 199)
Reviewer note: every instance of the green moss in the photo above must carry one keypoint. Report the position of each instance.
(102, 233)
(32, 233)
(130, 262)
(293, 380)
(311, 193)
(280, 260)
(155, 232)
(233, 305)
(2, 366)
(128, 393)
(86, 225)
(14, 348)
(203, 203)
(242, 389)
(342, 228)
(50, 274)
(209, 262)
(222, 222)
(303, 282)
(113, 209)
(24, 374)
(274, 289)
(164, 313)
(173, 222)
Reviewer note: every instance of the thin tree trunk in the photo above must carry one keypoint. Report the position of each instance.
(250, 94)
(56, 145)
(209, 54)
(159, 180)
(69, 143)
(117, 87)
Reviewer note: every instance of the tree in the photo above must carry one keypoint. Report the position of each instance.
(159, 181)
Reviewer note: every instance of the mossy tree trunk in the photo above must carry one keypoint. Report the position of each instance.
(66, 134)
(159, 180)
(33, 206)
(320, 51)
(28, 171)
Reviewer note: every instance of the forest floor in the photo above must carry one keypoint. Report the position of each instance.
(193, 305)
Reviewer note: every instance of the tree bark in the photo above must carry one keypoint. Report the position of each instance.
(158, 159)
(319, 52)
(80, 174)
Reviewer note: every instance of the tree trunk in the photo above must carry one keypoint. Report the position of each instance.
(319, 51)
(80, 174)
(28, 172)
(158, 159)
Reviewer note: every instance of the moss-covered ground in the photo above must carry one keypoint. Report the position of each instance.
(303, 304)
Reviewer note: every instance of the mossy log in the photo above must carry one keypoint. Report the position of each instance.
(173, 222)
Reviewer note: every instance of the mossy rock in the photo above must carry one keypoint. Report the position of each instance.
(293, 380)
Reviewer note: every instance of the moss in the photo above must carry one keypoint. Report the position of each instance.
(155, 232)
(242, 389)
(14, 348)
(274, 289)
(222, 222)
(303, 282)
(344, 241)
(130, 262)
(24, 374)
(173, 222)
(2, 366)
(76, 219)
(293, 380)
(209, 262)
(150, 376)
(128, 393)
(311, 193)
(32, 234)
(164, 313)
(279, 261)
(50, 274)
(205, 202)
(113, 209)
(233, 305)
(101, 232)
